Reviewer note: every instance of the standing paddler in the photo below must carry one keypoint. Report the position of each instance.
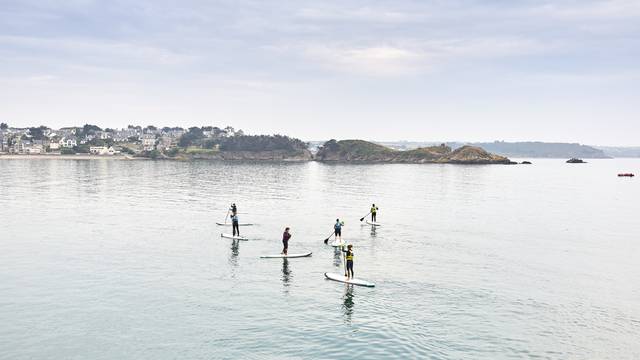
(348, 254)
(374, 212)
(337, 229)
(285, 241)
(235, 222)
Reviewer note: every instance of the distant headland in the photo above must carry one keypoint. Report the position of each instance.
(364, 151)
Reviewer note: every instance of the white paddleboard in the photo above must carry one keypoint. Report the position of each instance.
(229, 236)
(373, 223)
(343, 279)
(229, 224)
(338, 243)
(286, 256)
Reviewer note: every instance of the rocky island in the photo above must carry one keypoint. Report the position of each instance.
(364, 151)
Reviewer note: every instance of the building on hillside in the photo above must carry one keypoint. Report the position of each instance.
(68, 142)
(102, 150)
(34, 149)
(54, 143)
(148, 142)
(165, 143)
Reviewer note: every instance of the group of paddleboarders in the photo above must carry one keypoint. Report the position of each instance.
(286, 236)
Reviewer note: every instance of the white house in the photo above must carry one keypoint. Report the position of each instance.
(148, 142)
(68, 142)
(102, 150)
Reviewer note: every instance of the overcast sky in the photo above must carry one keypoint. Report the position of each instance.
(385, 70)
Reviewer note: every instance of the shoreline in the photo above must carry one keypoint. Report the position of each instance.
(66, 157)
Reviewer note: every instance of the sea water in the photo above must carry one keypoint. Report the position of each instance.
(112, 259)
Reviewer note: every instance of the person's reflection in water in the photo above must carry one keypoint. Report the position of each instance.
(347, 303)
(286, 274)
(373, 231)
(233, 256)
(337, 257)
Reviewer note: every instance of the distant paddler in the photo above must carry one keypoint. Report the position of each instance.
(235, 222)
(233, 209)
(337, 229)
(285, 241)
(374, 212)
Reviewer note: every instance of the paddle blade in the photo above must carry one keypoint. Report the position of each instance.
(361, 218)
(326, 241)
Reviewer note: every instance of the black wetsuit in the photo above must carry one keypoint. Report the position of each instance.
(285, 242)
(236, 226)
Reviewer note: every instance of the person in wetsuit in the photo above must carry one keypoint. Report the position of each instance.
(348, 271)
(337, 228)
(234, 209)
(285, 241)
(235, 222)
(374, 211)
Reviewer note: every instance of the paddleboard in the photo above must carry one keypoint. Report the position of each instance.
(343, 279)
(373, 223)
(286, 256)
(338, 243)
(229, 236)
(229, 224)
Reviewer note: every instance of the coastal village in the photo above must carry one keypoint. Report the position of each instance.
(91, 139)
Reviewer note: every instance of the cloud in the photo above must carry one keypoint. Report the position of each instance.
(418, 56)
(375, 60)
(369, 14)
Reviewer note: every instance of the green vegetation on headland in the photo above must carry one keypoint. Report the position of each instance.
(364, 151)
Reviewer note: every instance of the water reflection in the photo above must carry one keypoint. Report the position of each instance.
(347, 303)
(373, 231)
(233, 256)
(337, 258)
(286, 273)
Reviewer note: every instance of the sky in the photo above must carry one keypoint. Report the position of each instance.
(445, 70)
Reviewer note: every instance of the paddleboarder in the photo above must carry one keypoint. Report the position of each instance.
(337, 229)
(285, 241)
(348, 271)
(236, 225)
(234, 209)
(374, 211)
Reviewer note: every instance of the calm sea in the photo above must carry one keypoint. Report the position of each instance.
(109, 259)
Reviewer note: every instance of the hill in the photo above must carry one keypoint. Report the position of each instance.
(535, 149)
(364, 151)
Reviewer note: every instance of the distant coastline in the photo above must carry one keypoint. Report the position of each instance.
(213, 143)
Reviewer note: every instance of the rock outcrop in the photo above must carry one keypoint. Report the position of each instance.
(364, 151)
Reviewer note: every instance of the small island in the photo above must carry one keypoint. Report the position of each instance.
(575, 161)
(368, 152)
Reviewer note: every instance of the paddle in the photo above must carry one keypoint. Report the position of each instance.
(327, 239)
(362, 218)
(344, 257)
